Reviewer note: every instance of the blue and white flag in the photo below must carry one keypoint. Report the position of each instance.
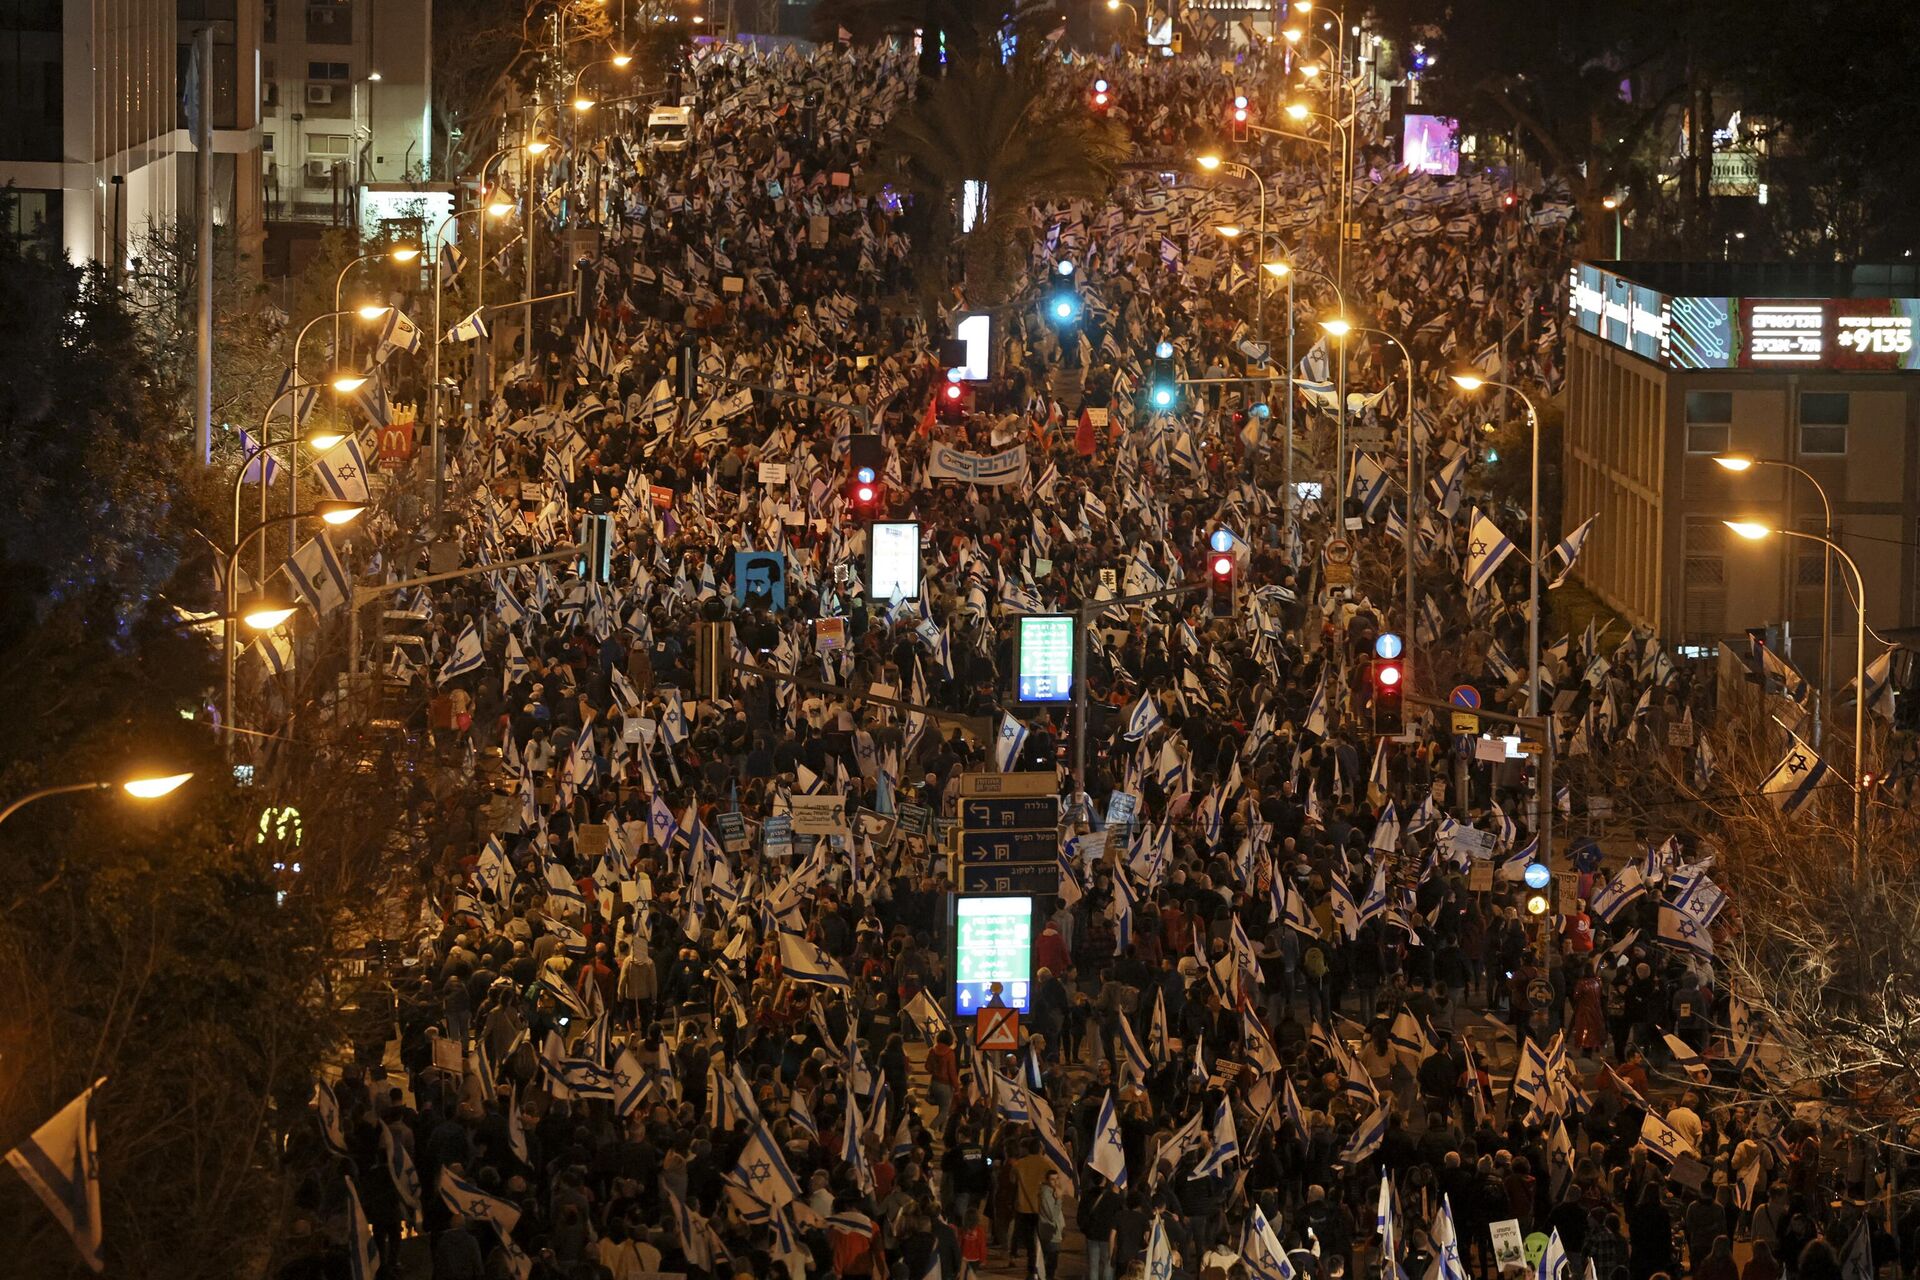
(1448, 485)
(452, 260)
(1553, 1263)
(1626, 885)
(804, 962)
(1109, 1156)
(1133, 1058)
(466, 654)
(256, 457)
(1796, 778)
(1682, 933)
(469, 1201)
(1663, 1138)
(327, 1112)
(1366, 1139)
(1568, 549)
(1008, 744)
(1487, 548)
(364, 1258)
(1159, 1252)
(1226, 1143)
(673, 721)
(764, 1169)
(397, 333)
(1446, 1244)
(1880, 685)
(471, 329)
(60, 1163)
(1369, 483)
(318, 575)
(371, 396)
(1144, 718)
(343, 470)
(400, 1169)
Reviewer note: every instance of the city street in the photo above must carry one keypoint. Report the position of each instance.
(904, 640)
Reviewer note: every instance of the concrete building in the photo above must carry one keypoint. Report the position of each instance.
(347, 106)
(96, 138)
(1671, 365)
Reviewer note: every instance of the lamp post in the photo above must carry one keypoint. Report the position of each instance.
(402, 254)
(530, 153)
(1301, 111)
(1612, 205)
(319, 441)
(1287, 270)
(144, 787)
(1211, 162)
(1470, 383)
(346, 383)
(264, 615)
(497, 209)
(1754, 530)
(1406, 531)
(1740, 462)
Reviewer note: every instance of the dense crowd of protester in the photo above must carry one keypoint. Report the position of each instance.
(1288, 1014)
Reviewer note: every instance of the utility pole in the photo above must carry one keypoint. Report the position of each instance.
(203, 214)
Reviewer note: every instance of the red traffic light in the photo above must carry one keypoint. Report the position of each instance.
(1388, 673)
(1239, 102)
(953, 391)
(863, 493)
(1221, 567)
(1099, 99)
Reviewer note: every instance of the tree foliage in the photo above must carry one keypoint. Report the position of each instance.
(1006, 127)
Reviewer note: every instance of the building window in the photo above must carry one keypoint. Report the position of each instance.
(35, 223)
(326, 71)
(1704, 606)
(266, 143)
(329, 144)
(1823, 421)
(1709, 421)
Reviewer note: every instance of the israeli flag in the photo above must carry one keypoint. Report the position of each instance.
(1144, 718)
(316, 573)
(764, 1169)
(1226, 1143)
(1795, 779)
(673, 721)
(1449, 484)
(1612, 898)
(1553, 1263)
(804, 962)
(471, 329)
(1008, 745)
(1487, 549)
(1684, 934)
(365, 1259)
(1880, 685)
(1369, 483)
(661, 828)
(1568, 549)
(397, 333)
(1366, 1139)
(1134, 1058)
(59, 1162)
(1159, 1252)
(400, 1168)
(343, 470)
(466, 655)
(452, 260)
(469, 1201)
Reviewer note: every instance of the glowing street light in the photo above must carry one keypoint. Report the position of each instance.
(141, 787)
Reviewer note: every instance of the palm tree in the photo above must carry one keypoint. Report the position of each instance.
(1011, 129)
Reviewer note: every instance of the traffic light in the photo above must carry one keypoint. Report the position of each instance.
(866, 463)
(1063, 307)
(1222, 570)
(1102, 97)
(1240, 117)
(1389, 677)
(686, 368)
(1163, 389)
(954, 400)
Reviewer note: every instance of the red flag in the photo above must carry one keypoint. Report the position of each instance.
(1083, 437)
(926, 419)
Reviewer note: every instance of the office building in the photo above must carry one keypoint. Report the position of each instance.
(347, 108)
(96, 141)
(1671, 365)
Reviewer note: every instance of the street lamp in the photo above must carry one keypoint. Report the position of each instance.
(319, 440)
(1472, 383)
(1406, 358)
(1284, 270)
(1753, 531)
(1301, 111)
(1211, 162)
(402, 254)
(493, 209)
(262, 614)
(143, 787)
(1740, 463)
